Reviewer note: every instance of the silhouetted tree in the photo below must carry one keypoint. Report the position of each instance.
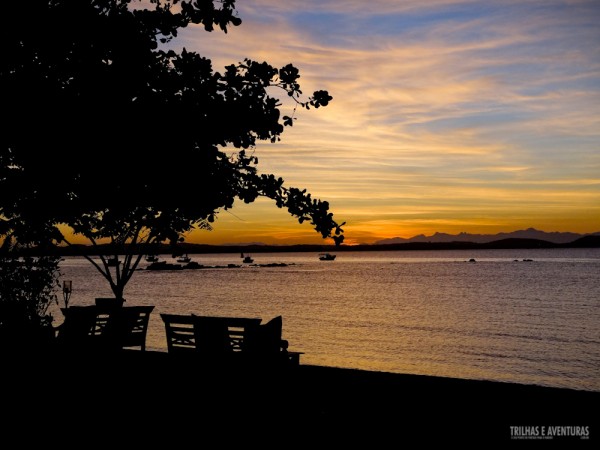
(127, 142)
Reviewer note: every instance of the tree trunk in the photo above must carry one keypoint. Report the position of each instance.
(118, 291)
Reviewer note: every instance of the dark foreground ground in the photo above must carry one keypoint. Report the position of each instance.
(151, 400)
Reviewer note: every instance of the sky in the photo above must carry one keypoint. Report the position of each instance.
(447, 115)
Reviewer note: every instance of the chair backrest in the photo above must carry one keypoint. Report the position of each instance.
(94, 327)
(109, 302)
(207, 335)
(222, 335)
(180, 334)
(130, 325)
(265, 340)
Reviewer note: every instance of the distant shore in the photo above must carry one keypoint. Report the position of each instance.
(592, 241)
(148, 395)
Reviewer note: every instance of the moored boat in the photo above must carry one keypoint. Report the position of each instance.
(326, 257)
(184, 259)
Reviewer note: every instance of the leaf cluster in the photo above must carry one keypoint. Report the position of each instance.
(110, 133)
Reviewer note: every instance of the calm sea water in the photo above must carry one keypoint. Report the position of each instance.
(431, 312)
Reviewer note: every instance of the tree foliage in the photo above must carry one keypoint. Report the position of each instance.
(27, 290)
(119, 138)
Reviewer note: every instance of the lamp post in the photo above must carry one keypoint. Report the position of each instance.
(67, 290)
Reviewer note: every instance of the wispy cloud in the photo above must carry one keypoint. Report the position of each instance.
(475, 114)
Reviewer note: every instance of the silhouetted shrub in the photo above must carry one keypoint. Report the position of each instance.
(28, 286)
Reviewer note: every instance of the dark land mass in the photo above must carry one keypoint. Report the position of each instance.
(150, 398)
(590, 241)
(530, 233)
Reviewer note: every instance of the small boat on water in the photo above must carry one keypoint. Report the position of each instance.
(151, 258)
(326, 257)
(246, 259)
(184, 259)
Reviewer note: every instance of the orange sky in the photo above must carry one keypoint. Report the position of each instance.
(448, 115)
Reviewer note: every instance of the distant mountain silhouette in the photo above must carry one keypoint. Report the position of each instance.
(438, 241)
(530, 233)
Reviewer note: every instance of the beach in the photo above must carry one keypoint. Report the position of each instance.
(150, 397)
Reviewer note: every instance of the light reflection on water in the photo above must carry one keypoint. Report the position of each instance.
(429, 313)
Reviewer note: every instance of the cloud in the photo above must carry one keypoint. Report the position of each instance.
(462, 110)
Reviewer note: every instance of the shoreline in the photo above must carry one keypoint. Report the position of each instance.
(177, 398)
(588, 241)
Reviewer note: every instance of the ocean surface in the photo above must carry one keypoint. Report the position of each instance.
(525, 316)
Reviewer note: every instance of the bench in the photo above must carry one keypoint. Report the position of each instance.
(102, 328)
(228, 339)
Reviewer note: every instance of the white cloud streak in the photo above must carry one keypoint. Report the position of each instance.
(494, 105)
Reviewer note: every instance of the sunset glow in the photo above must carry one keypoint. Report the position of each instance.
(447, 116)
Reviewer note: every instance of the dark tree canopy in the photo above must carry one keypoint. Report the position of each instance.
(119, 139)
